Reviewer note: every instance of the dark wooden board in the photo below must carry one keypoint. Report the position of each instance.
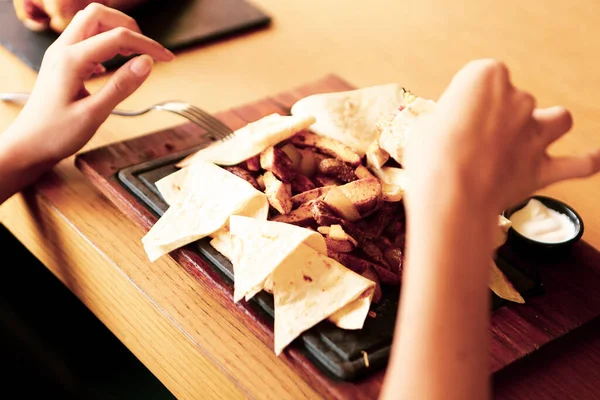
(571, 283)
(176, 24)
(337, 351)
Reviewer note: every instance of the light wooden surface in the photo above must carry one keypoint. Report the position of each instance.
(186, 338)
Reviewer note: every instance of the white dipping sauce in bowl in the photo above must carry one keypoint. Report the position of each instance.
(543, 224)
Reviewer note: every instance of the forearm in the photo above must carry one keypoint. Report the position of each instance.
(19, 165)
(441, 346)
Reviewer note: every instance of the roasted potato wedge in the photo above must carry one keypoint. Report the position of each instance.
(326, 145)
(370, 274)
(313, 194)
(337, 232)
(400, 240)
(365, 194)
(261, 182)
(391, 193)
(323, 230)
(301, 184)
(394, 258)
(363, 172)
(392, 254)
(359, 265)
(376, 156)
(341, 246)
(386, 277)
(244, 174)
(396, 223)
(301, 216)
(323, 215)
(337, 239)
(323, 180)
(375, 224)
(337, 169)
(275, 160)
(337, 201)
(253, 164)
(309, 162)
(350, 261)
(292, 152)
(373, 251)
(383, 243)
(278, 195)
(392, 176)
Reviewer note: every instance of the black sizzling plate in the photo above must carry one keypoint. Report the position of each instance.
(336, 351)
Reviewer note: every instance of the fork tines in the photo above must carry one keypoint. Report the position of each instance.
(217, 129)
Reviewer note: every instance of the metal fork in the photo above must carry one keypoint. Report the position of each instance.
(216, 129)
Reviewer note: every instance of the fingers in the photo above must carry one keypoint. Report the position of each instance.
(95, 19)
(522, 106)
(485, 69)
(106, 45)
(121, 85)
(554, 122)
(564, 168)
(99, 33)
(99, 69)
(476, 75)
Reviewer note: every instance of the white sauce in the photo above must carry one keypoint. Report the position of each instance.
(543, 224)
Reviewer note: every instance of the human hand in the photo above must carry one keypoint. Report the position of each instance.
(487, 143)
(61, 116)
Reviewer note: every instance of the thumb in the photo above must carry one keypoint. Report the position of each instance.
(126, 80)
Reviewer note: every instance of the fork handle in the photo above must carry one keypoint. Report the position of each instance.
(18, 98)
(21, 99)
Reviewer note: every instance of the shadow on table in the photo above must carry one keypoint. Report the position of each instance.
(50, 341)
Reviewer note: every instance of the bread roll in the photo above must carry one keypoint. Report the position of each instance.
(40, 15)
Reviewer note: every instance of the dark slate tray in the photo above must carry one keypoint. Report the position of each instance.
(336, 351)
(176, 24)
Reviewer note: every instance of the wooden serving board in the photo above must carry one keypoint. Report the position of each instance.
(182, 24)
(571, 283)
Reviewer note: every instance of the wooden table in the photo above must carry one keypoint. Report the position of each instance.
(189, 340)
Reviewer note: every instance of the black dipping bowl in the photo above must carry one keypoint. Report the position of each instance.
(533, 247)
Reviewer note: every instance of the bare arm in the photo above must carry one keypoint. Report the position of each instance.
(442, 351)
(483, 149)
(61, 116)
(18, 166)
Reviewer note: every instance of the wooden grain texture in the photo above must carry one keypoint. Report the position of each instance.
(196, 346)
(516, 330)
(101, 164)
(106, 289)
(571, 370)
(550, 48)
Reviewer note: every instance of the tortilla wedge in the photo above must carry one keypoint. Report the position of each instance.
(251, 140)
(224, 244)
(353, 315)
(395, 132)
(504, 224)
(350, 116)
(502, 287)
(262, 246)
(197, 212)
(392, 176)
(310, 287)
(499, 283)
(171, 185)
